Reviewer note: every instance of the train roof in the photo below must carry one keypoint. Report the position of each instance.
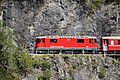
(111, 37)
(107, 37)
(65, 37)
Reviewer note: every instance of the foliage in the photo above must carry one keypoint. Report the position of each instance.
(94, 4)
(13, 59)
(45, 76)
(112, 1)
(102, 73)
(45, 65)
(23, 61)
(117, 62)
(36, 64)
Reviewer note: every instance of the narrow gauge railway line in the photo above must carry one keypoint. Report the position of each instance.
(82, 54)
(110, 55)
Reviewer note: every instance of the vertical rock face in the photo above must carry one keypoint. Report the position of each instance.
(21, 16)
(47, 17)
(75, 67)
(44, 17)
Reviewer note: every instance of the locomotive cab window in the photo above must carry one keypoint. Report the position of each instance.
(38, 40)
(118, 42)
(91, 41)
(80, 40)
(43, 40)
(53, 40)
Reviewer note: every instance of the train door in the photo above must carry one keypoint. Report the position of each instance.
(105, 45)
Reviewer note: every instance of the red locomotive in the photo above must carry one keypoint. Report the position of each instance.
(75, 44)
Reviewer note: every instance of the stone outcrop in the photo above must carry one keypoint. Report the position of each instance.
(31, 18)
(75, 67)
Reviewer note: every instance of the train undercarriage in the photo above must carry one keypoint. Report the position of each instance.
(72, 51)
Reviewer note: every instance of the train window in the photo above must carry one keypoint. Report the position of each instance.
(80, 40)
(38, 40)
(43, 40)
(53, 40)
(112, 42)
(119, 42)
(95, 40)
(91, 41)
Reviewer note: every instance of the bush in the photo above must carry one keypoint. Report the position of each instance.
(23, 61)
(13, 59)
(45, 76)
(45, 65)
(102, 73)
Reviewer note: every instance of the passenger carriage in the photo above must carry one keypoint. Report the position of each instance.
(111, 44)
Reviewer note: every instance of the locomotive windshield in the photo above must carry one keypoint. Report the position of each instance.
(38, 40)
(91, 41)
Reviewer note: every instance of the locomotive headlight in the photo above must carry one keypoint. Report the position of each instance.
(69, 39)
(87, 46)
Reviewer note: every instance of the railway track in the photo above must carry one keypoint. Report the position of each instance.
(111, 55)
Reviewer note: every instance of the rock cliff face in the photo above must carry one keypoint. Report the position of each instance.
(75, 67)
(31, 18)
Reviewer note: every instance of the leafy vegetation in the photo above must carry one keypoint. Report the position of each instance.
(96, 4)
(102, 73)
(43, 62)
(45, 76)
(13, 59)
(116, 61)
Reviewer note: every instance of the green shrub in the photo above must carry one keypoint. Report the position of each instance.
(45, 76)
(45, 65)
(13, 59)
(102, 73)
(23, 61)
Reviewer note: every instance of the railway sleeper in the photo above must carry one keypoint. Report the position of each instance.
(64, 51)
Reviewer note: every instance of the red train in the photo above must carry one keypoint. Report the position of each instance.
(75, 44)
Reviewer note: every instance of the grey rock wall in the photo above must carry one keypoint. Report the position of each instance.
(31, 18)
(75, 67)
(43, 17)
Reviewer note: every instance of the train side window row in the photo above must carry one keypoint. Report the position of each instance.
(78, 41)
(113, 42)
